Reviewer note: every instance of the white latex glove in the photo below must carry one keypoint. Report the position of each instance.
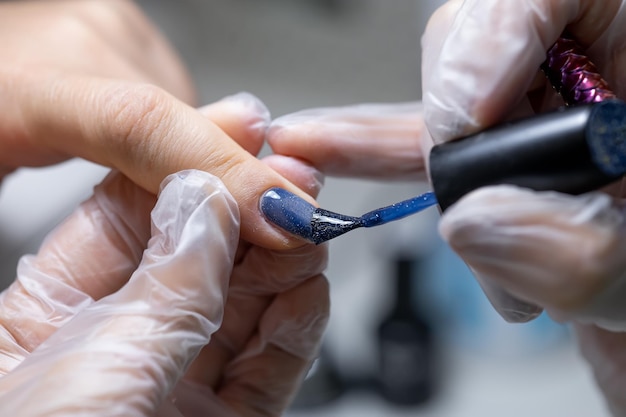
(92, 327)
(84, 334)
(532, 250)
(561, 252)
(380, 141)
(473, 79)
(481, 58)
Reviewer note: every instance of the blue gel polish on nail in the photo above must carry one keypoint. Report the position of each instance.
(296, 216)
(288, 211)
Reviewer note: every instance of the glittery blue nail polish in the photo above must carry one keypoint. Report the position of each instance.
(288, 211)
(296, 216)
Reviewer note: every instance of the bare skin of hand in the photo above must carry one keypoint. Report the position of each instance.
(94, 79)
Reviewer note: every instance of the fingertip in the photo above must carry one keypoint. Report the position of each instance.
(251, 103)
(509, 307)
(301, 173)
(248, 178)
(289, 130)
(258, 229)
(269, 236)
(244, 101)
(519, 312)
(243, 117)
(288, 211)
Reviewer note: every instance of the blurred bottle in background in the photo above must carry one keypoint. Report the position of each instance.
(405, 340)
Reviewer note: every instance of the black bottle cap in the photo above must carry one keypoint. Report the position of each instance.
(573, 150)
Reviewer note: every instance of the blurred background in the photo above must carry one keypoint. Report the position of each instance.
(410, 332)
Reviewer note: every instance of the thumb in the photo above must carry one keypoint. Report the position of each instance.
(139, 341)
(480, 57)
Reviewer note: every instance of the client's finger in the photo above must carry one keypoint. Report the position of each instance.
(241, 116)
(142, 131)
(259, 275)
(93, 253)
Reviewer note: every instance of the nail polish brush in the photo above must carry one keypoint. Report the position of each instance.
(318, 225)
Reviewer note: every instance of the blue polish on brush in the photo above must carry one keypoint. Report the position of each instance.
(298, 217)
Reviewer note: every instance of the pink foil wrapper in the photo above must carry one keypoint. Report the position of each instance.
(573, 76)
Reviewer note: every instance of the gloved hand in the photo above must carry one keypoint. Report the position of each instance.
(556, 250)
(504, 67)
(94, 325)
(95, 79)
(473, 79)
(532, 250)
(380, 141)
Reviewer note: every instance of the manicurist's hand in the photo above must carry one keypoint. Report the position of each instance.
(118, 314)
(94, 79)
(549, 250)
(374, 140)
(533, 251)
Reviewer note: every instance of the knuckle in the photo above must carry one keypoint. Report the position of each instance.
(136, 116)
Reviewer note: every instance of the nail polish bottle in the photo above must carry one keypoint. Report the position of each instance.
(405, 342)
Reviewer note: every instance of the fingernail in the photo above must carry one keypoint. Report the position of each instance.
(522, 313)
(288, 211)
(318, 182)
(510, 308)
(304, 175)
(251, 101)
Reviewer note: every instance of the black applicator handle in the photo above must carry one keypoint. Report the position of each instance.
(573, 150)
